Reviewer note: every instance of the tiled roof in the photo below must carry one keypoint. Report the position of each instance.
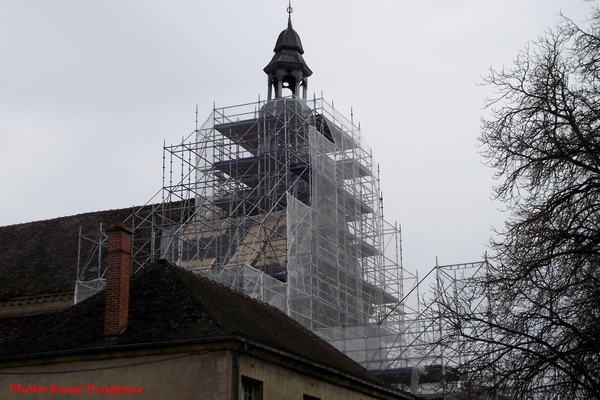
(41, 257)
(12, 327)
(169, 303)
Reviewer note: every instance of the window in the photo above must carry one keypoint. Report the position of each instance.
(251, 389)
(247, 390)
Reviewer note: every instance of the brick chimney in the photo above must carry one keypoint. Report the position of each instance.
(118, 264)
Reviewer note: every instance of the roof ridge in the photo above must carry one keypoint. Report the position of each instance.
(71, 216)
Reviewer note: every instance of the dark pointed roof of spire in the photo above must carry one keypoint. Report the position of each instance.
(288, 52)
(289, 39)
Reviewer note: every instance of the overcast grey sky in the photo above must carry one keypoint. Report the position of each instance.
(90, 89)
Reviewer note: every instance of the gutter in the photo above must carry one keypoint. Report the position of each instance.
(235, 379)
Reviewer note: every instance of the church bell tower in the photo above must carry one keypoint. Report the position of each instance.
(287, 69)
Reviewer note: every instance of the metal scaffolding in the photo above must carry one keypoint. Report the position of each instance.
(279, 200)
(433, 347)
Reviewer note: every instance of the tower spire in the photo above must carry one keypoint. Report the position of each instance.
(287, 69)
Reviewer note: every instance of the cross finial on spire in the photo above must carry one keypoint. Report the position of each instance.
(290, 10)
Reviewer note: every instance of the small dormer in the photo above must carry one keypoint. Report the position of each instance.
(287, 69)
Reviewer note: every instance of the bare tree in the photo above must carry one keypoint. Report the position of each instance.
(530, 325)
